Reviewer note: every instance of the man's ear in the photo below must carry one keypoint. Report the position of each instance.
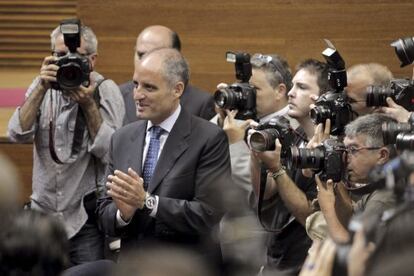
(179, 89)
(281, 90)
(93, 58)
(384, 155)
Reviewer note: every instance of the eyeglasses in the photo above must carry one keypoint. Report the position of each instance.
(353, 150)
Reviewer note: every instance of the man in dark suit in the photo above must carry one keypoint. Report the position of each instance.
(194, 100)
(178, 200)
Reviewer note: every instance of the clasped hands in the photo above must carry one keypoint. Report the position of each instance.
(127, 191)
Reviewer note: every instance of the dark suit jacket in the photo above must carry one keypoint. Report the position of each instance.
(195, 101)
(190, 178)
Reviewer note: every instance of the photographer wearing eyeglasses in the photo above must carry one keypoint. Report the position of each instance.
(365, 150)
(70, 113)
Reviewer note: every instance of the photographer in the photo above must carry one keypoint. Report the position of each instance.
(360, 76)
(71, 129)
(271, 79)
(289, 192)
(365, 149)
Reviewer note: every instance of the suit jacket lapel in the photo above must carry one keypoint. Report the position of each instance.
(137, 147)
(174, 147)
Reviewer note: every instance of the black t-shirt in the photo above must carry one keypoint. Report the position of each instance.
(288, 249)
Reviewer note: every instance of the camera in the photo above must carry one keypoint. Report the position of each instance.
(404, 48)
(74, 69)
(333, 105)
(240, 95)
(263, 139)
(327, 159)
(391, 130)
(400, 90)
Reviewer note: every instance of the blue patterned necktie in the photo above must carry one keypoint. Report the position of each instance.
(152, 155)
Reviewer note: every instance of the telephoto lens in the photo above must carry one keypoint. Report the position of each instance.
(405, 141)
(390, 130)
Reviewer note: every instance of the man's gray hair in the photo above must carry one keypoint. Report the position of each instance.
(175, 67)
(277, 69)
(370, 126)
(91, 42)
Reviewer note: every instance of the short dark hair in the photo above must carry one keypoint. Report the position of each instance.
(33, 244)
(318, 68)
(175, 41)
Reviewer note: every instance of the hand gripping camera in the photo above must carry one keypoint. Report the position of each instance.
(240, 95)
(333, 105)
(74, 69)
(263, 139)
(327, 159)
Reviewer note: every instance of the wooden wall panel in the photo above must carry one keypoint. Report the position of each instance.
(361, 30)
(25, 26)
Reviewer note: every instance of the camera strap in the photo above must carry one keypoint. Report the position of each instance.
(80, 126)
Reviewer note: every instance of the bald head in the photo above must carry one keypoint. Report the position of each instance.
(156, 37)
(361, 76)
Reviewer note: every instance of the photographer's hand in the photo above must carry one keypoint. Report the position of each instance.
(321, 262)
(395, 111)
(359, 254)
(321, 134)
(270, 158)
(326, 200)
(84, 96)
(29, 110)
(48, 72)
(235, 131)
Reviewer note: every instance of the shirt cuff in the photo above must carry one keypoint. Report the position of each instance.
(120, 222)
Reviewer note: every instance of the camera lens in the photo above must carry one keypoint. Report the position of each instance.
(404, 48)
(264, 140)
(390, 131)
(306, 158)
(226, 98)
(319, 114)
(405, 141)
(377, 95)
(69, 76)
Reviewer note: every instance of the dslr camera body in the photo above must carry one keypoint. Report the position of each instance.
(265, 134)
(240, 95)
(74, 69)
(327, 159)
(333, 105)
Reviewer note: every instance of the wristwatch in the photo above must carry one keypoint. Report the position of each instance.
(150, 202)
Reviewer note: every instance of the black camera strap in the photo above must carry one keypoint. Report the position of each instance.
(80, 126)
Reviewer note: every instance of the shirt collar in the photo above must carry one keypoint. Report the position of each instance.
(168, 123)
(280, 112)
